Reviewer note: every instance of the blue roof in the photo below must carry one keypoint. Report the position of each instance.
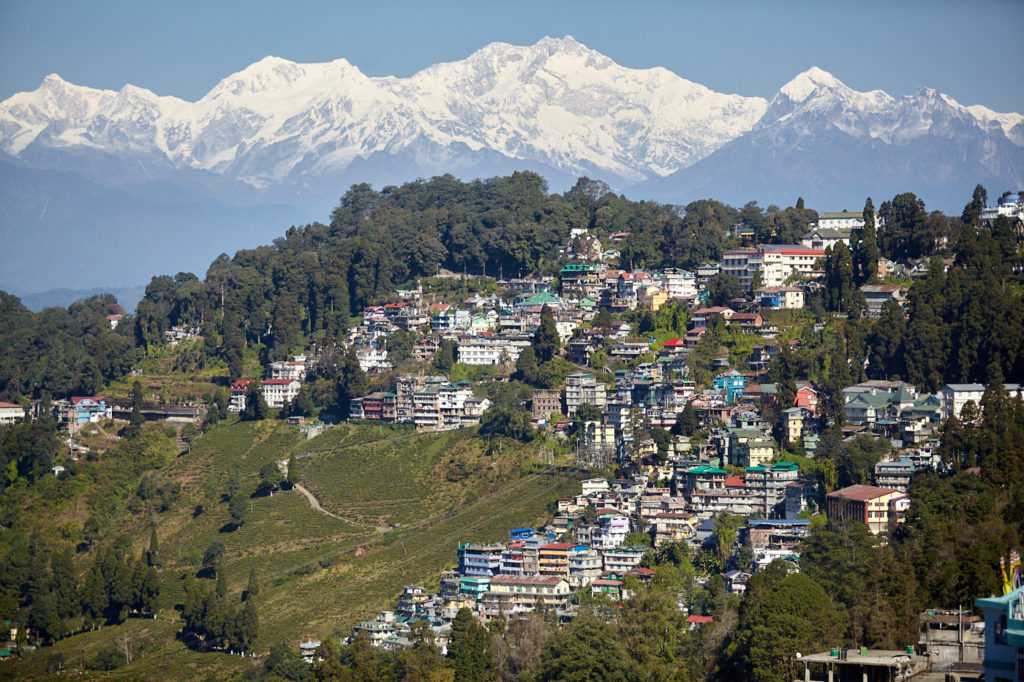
(779, 522)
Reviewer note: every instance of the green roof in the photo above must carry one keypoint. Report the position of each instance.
(706, 469)
(786, 466)
(903, 395)
(542, 297)
(579, 267)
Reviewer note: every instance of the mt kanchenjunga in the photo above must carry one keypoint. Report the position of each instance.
(557, 104)
(165, 180)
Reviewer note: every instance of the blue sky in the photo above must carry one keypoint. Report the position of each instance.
(969, 50)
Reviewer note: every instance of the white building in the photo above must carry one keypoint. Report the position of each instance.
(11, 413)
(288, 369)
(277, 391)
(678, 283)
(1011, 208)
(373, 359)
(583, 389)
(820, 238)
(843, 220)
(776, 262)
(490, 350)
(441, 407)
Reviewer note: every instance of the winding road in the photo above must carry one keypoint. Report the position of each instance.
(282, 465)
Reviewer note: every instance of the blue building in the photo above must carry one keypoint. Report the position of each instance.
(1004, 636)
(478, 560)
(733, 383)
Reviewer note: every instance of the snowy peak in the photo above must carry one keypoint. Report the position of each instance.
(555, 104)
(809, 82)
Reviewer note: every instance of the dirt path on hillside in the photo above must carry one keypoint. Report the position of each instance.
(282, 465)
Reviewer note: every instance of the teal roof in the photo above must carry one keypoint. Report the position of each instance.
(786, 466)
(705, 469)
(903, 395)
(542, 297)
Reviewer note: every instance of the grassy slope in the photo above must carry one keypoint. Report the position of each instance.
(320, 575)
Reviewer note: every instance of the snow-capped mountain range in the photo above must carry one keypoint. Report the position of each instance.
(278, 135)
(557, 103)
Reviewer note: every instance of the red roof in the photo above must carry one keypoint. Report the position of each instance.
(79, 398)
(673, 343)
(862, 492)
(505, 579)
(9, 405)
(700, 619)
(735, 481)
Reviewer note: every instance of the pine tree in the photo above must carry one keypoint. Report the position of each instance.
(686, 421)
(153, 555)
(64, 581)
(469, 648)
(255, 406)
(136, 420)
(222, 585)
(546, 340)
(252, 588)
(352, 382)
(246, 626)
(293, 471)
(94, 593)
(866, 255)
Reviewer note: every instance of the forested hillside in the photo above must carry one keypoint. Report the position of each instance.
(146, 505)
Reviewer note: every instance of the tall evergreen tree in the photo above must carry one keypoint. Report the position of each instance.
(866, 254)
(252, 587)
(153, 554)
(256, 408)
(546, 340)
(246, 626)
(136, 420)
(469, 649)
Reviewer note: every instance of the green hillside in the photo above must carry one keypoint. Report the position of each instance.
(395, 507)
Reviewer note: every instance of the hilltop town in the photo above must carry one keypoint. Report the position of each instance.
(800, 412)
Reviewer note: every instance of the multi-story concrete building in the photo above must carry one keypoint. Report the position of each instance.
(866, 503)
(677, 283)
(776, 262)
(476, 559)
(527, 591)
(583, 389)
(11, 413)
(1004, 636)
(582, 279)
(277, 391)
(584, 566)
(767, 485)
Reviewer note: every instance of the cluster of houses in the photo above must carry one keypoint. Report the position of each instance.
(281, 385)
(432, 403)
